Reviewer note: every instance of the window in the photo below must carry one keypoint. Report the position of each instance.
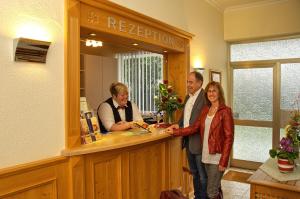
(268, 50)
(141, 72)
(265, 85)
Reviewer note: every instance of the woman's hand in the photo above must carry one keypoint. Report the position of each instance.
(174, 126)
(170, 130)
(221, 168)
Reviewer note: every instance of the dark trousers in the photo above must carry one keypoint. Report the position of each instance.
(214, 180)
(197, 169)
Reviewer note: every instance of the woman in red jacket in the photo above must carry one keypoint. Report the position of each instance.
(216, 127)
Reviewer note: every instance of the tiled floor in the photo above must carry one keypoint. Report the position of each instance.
(235, 190)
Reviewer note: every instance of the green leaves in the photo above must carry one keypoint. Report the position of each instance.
(167, 99)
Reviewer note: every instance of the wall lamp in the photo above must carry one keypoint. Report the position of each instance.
(30, 50)
(200, 70)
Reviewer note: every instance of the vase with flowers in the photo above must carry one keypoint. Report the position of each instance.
(288, 149)
(167, 102)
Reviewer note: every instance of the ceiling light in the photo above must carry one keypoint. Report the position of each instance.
(135, 44)
(92, 34)
(93, 43)
(88, 42)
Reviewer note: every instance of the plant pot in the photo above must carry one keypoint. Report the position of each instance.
(169, 118)
(285, 166)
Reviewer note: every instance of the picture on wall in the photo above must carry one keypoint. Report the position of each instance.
(215, 76)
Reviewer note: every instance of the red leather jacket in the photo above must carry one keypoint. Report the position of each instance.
(221, 132)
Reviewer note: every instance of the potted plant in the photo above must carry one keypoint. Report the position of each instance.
(288, 149)
(285, 154)
(167, 101)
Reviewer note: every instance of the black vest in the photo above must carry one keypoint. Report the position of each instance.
(128, 113)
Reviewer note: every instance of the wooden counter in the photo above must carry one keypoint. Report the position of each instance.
(265, 187)
(116, 140)
(127, 165)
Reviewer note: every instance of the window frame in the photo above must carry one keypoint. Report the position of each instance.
(275, 123)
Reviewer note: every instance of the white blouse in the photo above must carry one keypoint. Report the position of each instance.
(206, 157)
(107, 117)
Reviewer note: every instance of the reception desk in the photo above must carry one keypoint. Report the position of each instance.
(128, 165)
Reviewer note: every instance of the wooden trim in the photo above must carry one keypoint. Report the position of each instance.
(43, 178)
(72, 75)
(262, 63)
(32, 186)
(131, 14)
(267, 38)
(276, 105)
(77, 177)
(254, 123)
(32, 166)
(245, 164)
(229, 86)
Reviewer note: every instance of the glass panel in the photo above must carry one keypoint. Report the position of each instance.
(253, 94)
(268, 50)
(290, 90)
(252, 143)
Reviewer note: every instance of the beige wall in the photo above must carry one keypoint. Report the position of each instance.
(208, 45)
(270, 20)
(31, 95)
(197, 17)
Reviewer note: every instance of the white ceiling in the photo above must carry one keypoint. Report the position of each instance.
(224, 5)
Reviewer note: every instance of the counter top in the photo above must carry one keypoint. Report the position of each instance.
(117, 139)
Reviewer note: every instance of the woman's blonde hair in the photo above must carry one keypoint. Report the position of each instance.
(219, 88)
(117, 88)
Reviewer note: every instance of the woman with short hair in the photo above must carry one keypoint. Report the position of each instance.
(117, 113)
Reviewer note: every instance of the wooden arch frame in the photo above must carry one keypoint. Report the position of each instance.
(151, 32)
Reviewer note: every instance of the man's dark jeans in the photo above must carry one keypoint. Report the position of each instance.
(199, 174)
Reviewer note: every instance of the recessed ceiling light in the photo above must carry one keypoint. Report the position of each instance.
(135, 44)
(93, 43)
(92, 34)
(165, 51)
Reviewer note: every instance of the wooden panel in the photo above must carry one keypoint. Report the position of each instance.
(264, 186)
(47, 191)
(115, 24)
(72, 74)
(147, 171)
(131, 14)
(187, 178)
(265, 192)
(174, 162)
(77, 177)
(42, 179)
(103, 176)
(178, 69)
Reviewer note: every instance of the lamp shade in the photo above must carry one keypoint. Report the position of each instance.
(29, 50)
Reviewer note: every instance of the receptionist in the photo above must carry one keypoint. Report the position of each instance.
(117, 113)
